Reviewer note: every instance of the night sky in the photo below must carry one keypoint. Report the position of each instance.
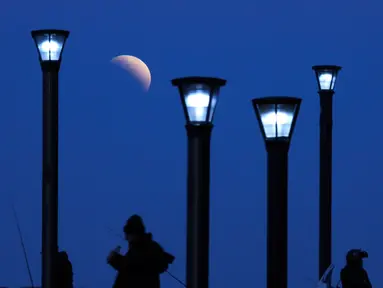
(123, 151)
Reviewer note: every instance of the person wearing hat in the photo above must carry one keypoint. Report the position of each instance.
(145, 260)
(353, 275)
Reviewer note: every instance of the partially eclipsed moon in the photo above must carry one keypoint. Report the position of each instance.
(136, 67)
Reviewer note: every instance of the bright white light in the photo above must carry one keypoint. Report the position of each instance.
(49, 46)
(279, 118)
(197, 104)
(326, 81)
(277, 124)
(198, 99)
(50, 50)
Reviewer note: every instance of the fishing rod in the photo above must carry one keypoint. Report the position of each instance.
(167, 271)
(175, 278)
(22, 244)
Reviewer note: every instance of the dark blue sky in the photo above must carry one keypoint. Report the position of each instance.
(123, 151)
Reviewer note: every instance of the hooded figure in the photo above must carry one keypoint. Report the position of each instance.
(65, 273)
(353, 274)
(145, 260)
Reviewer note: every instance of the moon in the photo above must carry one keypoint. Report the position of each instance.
(136, 67)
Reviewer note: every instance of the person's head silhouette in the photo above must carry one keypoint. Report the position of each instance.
(354, 257)
(134, 228)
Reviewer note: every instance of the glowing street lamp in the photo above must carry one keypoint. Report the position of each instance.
(326, 77)
(277, 117)
(199, 99)
(50, 45)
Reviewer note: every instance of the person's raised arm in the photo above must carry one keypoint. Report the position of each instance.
(116, 260)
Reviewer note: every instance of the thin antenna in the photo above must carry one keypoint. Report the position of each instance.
(22, 245)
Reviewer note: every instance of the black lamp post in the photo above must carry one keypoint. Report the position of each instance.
(199, 98)
(326, 77)
(277, 117)
(50, 45)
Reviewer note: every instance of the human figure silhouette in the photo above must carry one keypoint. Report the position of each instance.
(145, 260)
(353, 275)
(64, 270)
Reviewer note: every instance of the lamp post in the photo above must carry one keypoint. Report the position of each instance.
(50, 45)
(277, 117)
(199, 98)
(326, 77)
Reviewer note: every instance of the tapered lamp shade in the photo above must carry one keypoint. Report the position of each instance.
(199, 97)
(50, 44)
(326, 76)
(277, 116)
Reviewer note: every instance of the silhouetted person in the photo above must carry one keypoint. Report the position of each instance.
(145, 260)
(353, 274)
(64, 270)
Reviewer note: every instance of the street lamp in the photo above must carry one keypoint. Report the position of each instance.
(277, 117)
(326, 77)
(199, 99)
(50, 45)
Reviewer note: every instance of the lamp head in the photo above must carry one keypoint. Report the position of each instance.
(50, 45)
(277, 117)
(326, 76)
(199, 96)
